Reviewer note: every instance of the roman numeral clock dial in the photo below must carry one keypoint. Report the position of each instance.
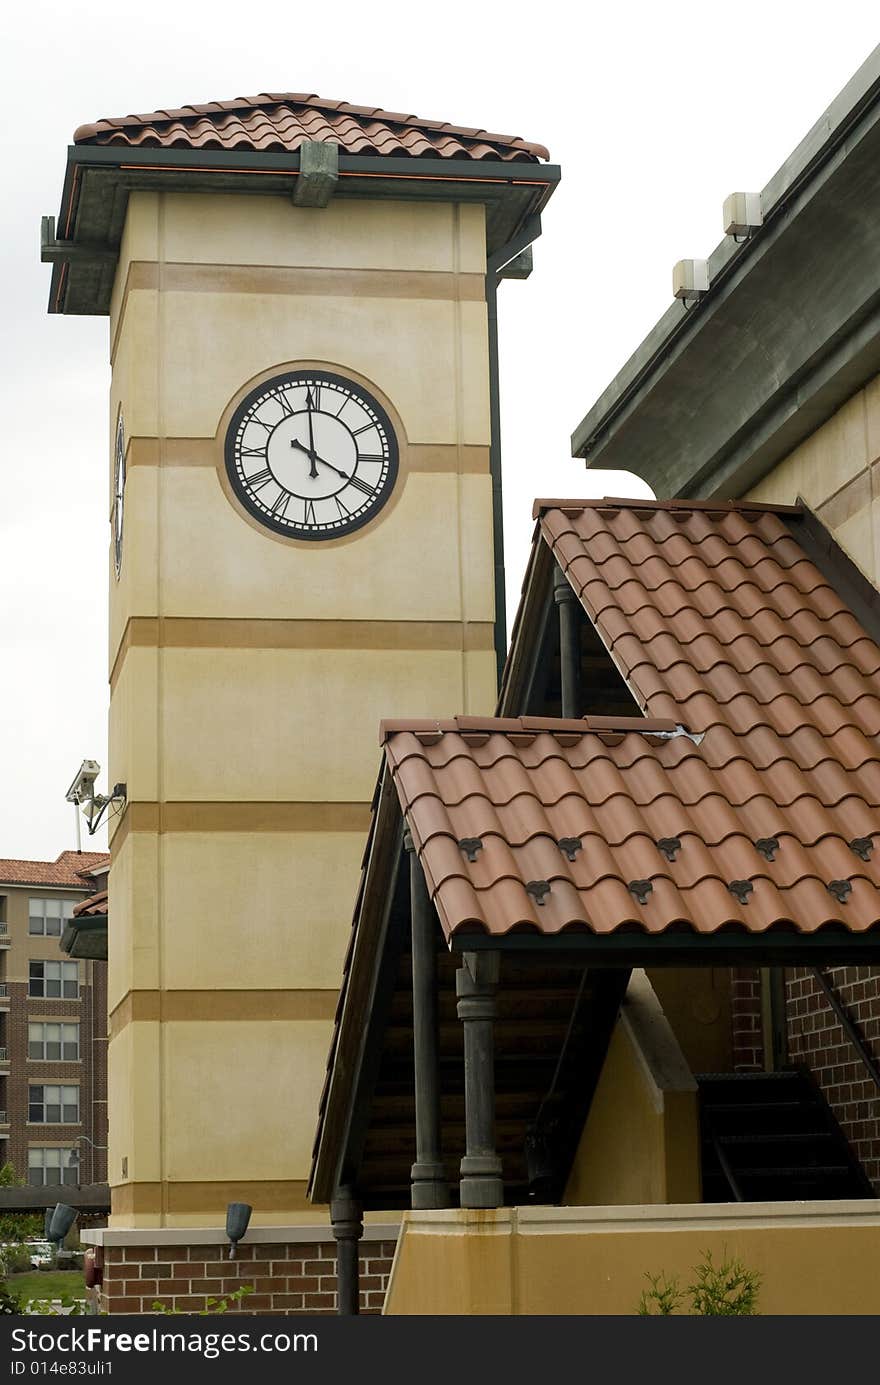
(311, 455)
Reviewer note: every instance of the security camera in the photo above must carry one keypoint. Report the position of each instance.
(83, 786)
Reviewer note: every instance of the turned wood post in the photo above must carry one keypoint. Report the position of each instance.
(569, 643)
(428, 1176)
(347, 1220)
(475, 984)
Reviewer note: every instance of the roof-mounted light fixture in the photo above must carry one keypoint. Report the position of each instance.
(743, 214)
(690, 280)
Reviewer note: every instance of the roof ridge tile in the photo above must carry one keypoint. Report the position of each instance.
(438, 137)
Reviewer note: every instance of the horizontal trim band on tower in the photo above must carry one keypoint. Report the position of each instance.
(152, 1006)
(144, 816)
(179, 1198)
(185, 632)
(315, 280)
(306, 280)
(458, 459)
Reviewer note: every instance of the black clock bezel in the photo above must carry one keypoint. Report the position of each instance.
(285, 530)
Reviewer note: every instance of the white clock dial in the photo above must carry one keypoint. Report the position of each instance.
(311, 455)
(118, 493)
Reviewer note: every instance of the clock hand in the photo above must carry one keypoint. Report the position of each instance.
(344, 474)
(313, 470)
(313, 457)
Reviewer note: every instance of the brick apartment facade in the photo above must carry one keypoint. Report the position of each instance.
(53, 1077)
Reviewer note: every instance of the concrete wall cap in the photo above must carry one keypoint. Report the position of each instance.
(108, 1236)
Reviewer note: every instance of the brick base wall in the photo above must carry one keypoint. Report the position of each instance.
(285, 1278)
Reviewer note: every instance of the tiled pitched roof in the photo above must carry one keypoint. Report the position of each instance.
(721, 623)
(72, 870)
(282, 121)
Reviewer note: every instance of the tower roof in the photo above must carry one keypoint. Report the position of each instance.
(277, 122)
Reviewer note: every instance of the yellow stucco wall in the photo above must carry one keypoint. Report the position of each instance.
(837, 472)
(813, 1258)
(641, 1141)
(249, 672)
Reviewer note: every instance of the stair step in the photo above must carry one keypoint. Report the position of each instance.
(782, 1075)
(806, 1173)
(780, 1127)
(720, 1107)
(787, 1137)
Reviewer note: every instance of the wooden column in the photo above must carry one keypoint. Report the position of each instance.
(569, 643)
(475, 984)
(428, 1176)
(347, 1220)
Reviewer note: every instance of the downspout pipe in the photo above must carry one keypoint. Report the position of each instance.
(529, 232)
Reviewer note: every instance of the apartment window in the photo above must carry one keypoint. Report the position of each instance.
(53, 1105)
(46, 916)
(51, 1166)
(53, 1042)
(54, 980)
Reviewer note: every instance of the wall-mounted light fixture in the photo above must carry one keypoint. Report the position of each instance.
(238, 1215)
(62, 1219)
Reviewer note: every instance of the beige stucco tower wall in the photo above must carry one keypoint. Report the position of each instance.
(249, 672)
(837, 472)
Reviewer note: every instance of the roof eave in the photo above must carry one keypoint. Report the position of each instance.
(765, 392)
(98, 180)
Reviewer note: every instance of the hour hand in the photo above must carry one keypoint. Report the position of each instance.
(294, 442)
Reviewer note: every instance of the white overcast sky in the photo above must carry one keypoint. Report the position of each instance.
(654, 110)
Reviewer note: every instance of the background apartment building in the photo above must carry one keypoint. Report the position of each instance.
(53, 1025)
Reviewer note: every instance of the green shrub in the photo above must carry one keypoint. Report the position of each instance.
(18, 1259)
(728, 1290)
(9, 1301)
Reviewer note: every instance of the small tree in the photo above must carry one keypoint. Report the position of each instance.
(17, 1226)
(727, 1290)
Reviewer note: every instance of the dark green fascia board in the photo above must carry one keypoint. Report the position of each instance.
(601, 436)
(86, 937)
(98, 179)
(687, 949)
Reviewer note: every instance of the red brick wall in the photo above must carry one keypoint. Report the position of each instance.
(286, 1279)
(745, 1007)
(816, 1038)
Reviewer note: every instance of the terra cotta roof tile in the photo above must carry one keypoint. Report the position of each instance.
(93, 907)
(724, 627)
(281, 121)
(71, 870)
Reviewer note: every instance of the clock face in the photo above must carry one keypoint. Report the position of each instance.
(118, 493)
(311, 455)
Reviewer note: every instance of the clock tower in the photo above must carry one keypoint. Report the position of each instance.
(305, 497)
